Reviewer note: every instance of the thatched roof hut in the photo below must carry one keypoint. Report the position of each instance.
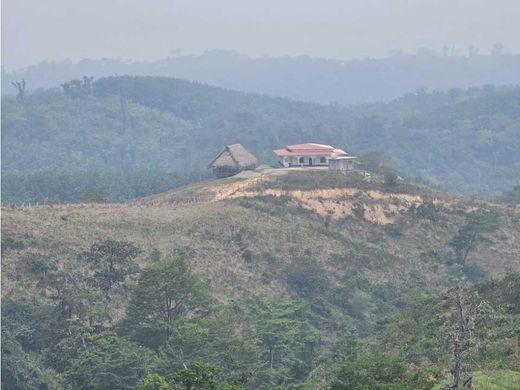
(231, 160)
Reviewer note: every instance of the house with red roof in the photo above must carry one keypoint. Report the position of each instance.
(314, 155)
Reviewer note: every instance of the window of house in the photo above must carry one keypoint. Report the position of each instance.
(323, 160)
(302, 160)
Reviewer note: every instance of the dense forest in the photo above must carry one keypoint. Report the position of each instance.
(463, 140)
(390, 286)
(301, 78)
(52, 187)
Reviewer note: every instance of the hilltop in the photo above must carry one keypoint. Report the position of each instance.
(241, 232)
(120, 125)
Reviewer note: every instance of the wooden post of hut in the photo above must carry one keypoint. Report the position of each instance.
(232, 160)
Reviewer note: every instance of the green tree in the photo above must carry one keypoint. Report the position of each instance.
(378, 373)
(111, 261)
(23, 370)
(109, 362)
(165, 293)
(473, 233)
(153, 382)
(290, 344)
(200, 376)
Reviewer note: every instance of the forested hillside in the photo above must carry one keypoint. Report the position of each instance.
(463, 140)
(284, 280)
(301, 78)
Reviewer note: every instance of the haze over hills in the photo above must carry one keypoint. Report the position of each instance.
(329, 200)
(301, 78)
(463, 140)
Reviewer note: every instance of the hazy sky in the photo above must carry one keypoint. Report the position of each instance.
(36, 30)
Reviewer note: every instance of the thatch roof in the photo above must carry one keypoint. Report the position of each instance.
(234, 156)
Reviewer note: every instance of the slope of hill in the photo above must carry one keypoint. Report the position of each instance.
(466, 141)
(301, 78)
(281, 251)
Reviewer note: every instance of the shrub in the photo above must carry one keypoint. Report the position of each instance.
(307, 276)
(359, 210)
(390, 180)
(394, 229)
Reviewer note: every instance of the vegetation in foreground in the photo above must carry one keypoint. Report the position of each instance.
(260, 292)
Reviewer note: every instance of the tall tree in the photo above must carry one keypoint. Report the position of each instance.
(166, 292)
(475, 232)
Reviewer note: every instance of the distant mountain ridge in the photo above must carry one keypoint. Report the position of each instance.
(302, 78)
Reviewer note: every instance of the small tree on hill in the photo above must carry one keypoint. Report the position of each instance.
(475, 232)
(112, 262)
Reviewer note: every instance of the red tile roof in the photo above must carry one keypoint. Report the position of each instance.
(309, 149)
(310, 146)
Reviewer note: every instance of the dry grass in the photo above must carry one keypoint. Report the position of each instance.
(215, 230)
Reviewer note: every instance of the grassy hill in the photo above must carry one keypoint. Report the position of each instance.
(333, 255)
(465, 141)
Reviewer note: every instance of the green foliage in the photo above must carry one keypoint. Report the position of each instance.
(23, 370)
(497, 380)
(475, 231)
(136, 124)
(379, 373)
(307, 277)
(109, 362)
(166, 292)
(394, 229)
(215, 341)
(155, 255)
(200, 376)
(112, 262)
(153, 382)
(359, 210)
(51, 186)
(424, 329)
(426, 210)
(289, 342)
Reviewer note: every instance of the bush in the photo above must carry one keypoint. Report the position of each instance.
(390, 180)
(394, 229)
(306, 276)
(359, 210)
